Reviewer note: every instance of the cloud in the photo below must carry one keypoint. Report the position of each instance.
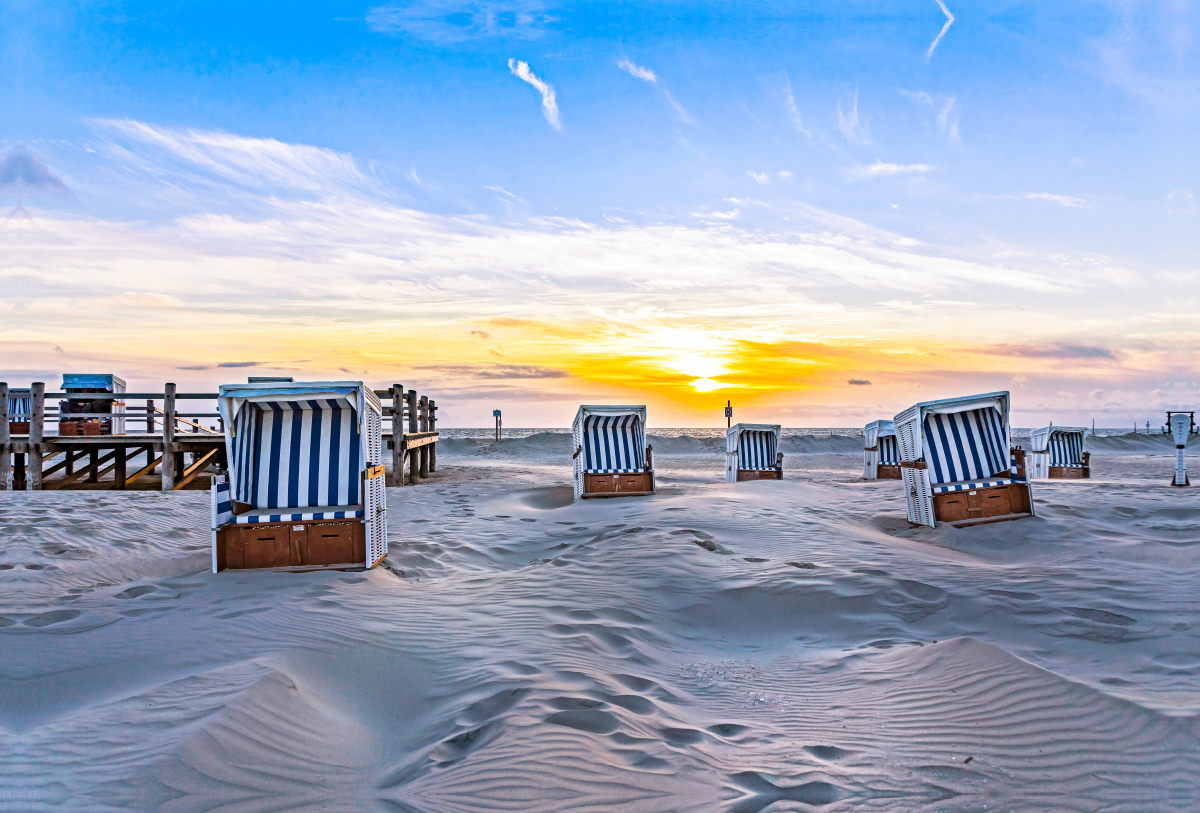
(451, 21)
(1061, 200)
(483, 334)
(759, 177)
(499, 371)
(789, 102)
(250, 162)
(942, 33)
(852, 128)
(502, 191)
(1052, 350)
(647, 75)
(195, 367)
(947, 124)
(859, 382)
(22, 171)
(549, 103)
(239, 363)
(637, 71)
(880, 170)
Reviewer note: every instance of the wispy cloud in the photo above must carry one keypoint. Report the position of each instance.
(759, 177)
(879, 169)
(1061, 200)
(948, 122)
(1052, 350)
(852, 128)
(637, 71)
(646, 75)
(789, 101)
(549, 102)
(498, 371)
(502, 191)
(859, 382)
(949, 22)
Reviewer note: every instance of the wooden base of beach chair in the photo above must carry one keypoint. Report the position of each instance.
(18, 427)
(1069, 473)
(618, 485)
(333, 544)
(749, 474)
(981, 505)
(85, 427)
(883, 472)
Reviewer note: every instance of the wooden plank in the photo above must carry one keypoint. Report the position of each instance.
(92, 466)
(190, 474)
(418, 440)
(142, 471)
(192, 424)
(397, 393)
(5, 439)
(168, 436)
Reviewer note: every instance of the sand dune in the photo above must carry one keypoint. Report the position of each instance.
(755, 647)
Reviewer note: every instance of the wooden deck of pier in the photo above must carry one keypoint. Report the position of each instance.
(174, 444)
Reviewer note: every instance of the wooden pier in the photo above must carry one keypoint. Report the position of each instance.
(173, 442)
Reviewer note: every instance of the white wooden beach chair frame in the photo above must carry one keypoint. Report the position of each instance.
(622, 468)
(752, 452)
(973, 435)
(265, 532)
(881, 451)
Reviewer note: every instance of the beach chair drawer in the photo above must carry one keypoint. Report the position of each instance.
(745, 475)
(312, 543)
(18, 427)
(1068, 473)
(612, 485)
(887, 472)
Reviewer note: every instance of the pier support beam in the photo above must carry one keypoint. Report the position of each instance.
(414, 466)
(36, 422)
(423, 411)
(397, 435)
(5, 439)
(433, 428)
(168, 436)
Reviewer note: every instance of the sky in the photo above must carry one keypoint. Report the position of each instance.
(822, 212)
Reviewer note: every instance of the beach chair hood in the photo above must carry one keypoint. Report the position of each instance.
(1062, 444)
(751, 447)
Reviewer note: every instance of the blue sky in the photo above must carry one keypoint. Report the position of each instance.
(1028, 186)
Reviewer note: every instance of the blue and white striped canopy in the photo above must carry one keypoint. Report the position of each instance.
(756, 450)
(889, 450)
(295, 454)
(19, 406)
(1065, 448)
(613, 444)
(961, 446)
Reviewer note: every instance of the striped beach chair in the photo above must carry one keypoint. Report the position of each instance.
(20, 408)
(957, 463)
(1056, 453)
(78, 408)
(752, 452)
(611, 456)
(305, 485)
(881, 451)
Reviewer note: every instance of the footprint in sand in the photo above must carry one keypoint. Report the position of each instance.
(911, 601)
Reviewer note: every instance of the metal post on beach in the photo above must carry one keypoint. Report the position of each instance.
(36, 422)
(5, 439)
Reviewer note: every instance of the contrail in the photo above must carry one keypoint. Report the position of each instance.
(942, 33)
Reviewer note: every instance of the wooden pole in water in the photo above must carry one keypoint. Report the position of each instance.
(168, 439)
(432, 428)
(397, 435)
(5, 439)
(36, 422)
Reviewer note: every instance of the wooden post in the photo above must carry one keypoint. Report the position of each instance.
(168, 439)
(414, 466)
(397, 435)
(119, 474)
(94, 462)
(19, 480)
(423, 409)
(5, 439)
(433, 428)
(150, 419)
(36, 422)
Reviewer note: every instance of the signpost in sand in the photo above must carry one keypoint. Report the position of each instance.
(728, 414)
(1181, 424)
(499, 423)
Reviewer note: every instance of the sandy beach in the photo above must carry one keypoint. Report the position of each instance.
(769, 646)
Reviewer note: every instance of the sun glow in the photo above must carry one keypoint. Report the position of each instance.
(708, 385)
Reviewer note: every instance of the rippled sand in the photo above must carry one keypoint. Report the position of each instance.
(754, 647)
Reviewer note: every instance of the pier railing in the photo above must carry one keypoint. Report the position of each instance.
(172, 440)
